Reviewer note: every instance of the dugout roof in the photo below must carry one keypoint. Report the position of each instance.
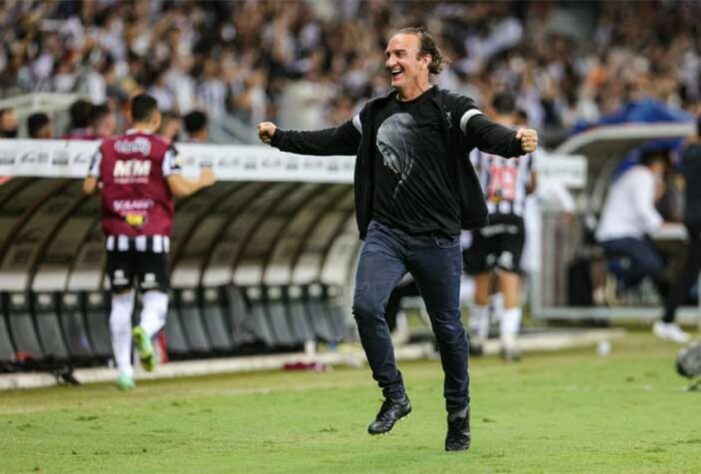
(272, 219)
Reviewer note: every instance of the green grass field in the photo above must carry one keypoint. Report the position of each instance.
(560, 413)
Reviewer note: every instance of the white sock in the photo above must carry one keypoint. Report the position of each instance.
(510, 323)
(120, 328)
(155, 309)
(479, 322)
(497, 303)
(467, 290)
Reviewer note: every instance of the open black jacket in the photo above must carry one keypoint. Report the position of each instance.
(347, 140)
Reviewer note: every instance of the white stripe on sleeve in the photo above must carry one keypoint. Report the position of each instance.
(356, 123)
(466, 118)
(170, 162)
(110, 242)
(94, 169)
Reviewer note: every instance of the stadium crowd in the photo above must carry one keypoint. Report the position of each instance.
(310, 64)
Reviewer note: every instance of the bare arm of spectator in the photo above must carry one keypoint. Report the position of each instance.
(89, 185)
(341, 140)
(182, 187)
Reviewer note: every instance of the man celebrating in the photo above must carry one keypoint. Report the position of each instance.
(139, 173)
(414, 188)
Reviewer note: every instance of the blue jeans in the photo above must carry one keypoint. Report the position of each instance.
(643, 256)
(436, 264)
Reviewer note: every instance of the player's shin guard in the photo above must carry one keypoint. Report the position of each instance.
(509, 326)
(497, 304)
(479, 323)
(153, 314)
(120, 328)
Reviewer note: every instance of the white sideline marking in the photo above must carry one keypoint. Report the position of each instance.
(210, 367)
(546, 341)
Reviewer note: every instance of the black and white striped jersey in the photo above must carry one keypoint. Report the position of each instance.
(504, 181)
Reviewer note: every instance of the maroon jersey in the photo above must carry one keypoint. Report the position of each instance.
(136, 199)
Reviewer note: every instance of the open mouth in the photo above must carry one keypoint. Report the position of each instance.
(396, 73)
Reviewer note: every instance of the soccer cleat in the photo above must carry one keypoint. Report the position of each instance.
(391, 412)
(670, 332)
(510, 354)
(145, 349)
(458, 437)
(125, 382)
(509, 349)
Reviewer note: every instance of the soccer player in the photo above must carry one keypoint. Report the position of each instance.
(415, 188)
(497, 248)
(140, 174)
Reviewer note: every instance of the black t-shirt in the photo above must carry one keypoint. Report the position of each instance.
(413, 189)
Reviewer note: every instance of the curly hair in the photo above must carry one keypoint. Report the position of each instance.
(427, 46)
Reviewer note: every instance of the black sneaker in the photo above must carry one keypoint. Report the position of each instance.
(458, 437)
(391, 412)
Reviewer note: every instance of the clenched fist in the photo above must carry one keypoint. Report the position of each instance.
(529, 139)
(266, 130)
(207, 177)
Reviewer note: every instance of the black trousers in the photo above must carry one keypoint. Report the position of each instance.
(689, 275)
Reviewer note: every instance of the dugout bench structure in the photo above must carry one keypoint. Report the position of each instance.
(261, 261)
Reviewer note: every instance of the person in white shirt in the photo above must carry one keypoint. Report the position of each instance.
(629, 216)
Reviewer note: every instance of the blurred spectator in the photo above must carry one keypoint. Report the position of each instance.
(196, 126)
(212, 92)
(8, 123)
(299, 60)
(39, 126)
(628, 218)
(170, 126)
(103, 123)
(80, 113)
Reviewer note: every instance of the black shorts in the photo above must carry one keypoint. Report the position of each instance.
(497, 246)
(150, 269)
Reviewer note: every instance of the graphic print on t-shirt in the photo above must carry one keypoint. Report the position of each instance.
(395, 143)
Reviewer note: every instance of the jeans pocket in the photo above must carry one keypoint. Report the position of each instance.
(446, 242)
(373, 225)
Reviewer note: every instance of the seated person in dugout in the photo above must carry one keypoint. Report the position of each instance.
(628, 219)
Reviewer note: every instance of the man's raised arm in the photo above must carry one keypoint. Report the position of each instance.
(494, 138)
(341, 140)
